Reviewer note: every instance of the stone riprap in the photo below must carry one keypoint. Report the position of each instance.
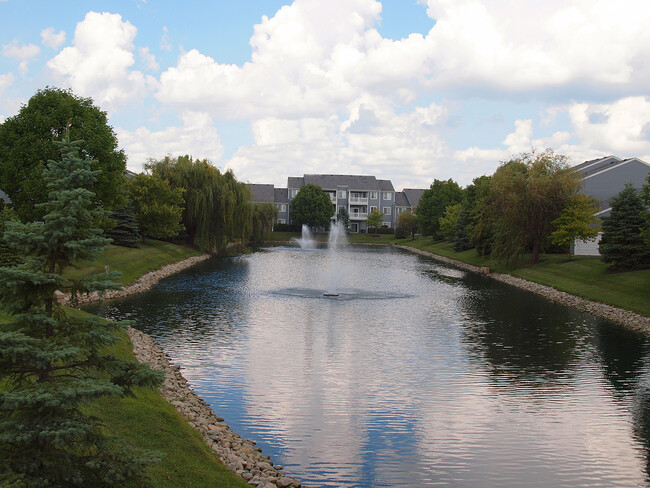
(239, 455)
(144, 283)
(617, 315)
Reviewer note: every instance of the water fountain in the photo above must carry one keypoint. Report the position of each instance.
(337, 238)
(306, 241)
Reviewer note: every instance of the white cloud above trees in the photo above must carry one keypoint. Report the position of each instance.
(324, 91)
(99, 64)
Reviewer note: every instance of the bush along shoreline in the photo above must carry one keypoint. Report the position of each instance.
(620, 316)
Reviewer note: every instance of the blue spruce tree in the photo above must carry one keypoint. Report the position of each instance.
(53, 363)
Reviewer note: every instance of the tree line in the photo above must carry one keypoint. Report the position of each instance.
(175, 198)
(532, 204)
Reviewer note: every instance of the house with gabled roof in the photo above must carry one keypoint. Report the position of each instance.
(603, 179)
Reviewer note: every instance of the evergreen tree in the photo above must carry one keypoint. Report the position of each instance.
(126, 231)
(622, 243)
(7, 255)
(53, 363)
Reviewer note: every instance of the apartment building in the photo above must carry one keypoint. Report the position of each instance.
(359, 194)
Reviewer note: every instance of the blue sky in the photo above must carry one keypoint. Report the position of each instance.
(407, 90)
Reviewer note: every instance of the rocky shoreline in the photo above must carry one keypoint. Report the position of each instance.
(144, 283)
(618, 315)
(239, 455)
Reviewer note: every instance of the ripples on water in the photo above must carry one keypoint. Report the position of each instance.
(417, 375)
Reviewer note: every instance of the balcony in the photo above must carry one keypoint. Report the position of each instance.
(358, 201)
(332, 198)
(358, 215)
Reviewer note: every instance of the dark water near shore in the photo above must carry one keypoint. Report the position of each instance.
(417, 375)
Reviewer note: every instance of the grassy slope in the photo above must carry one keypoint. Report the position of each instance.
(148, 420)
(586, 277)
(133, 263)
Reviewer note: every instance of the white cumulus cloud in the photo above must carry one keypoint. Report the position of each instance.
(197, 137)
(99, 63)
(52, 39)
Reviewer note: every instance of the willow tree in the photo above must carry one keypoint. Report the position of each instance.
(264, 215)
(526, 195)
(217, 209)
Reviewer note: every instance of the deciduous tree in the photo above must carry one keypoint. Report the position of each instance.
(312, 206)
(374, 219)
(26, 146)
(448, 223)
(217, 206)
(408, 223)
(577, 221)
(433, 203)
(158, 207)
(53, 363)
(527, 194)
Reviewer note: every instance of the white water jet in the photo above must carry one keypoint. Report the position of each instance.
(336, 239)
(305, 241)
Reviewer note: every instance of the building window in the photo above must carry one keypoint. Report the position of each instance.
(281, 221)
(387, 210)
(374, 195)
(343, 194)
(386, 195)
(372, 207)
(293, 193)
(282, 207)
(342, 207)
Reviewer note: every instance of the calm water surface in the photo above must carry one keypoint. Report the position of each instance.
(417, 375)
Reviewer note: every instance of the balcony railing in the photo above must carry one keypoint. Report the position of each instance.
(358, 201)
(358, 216)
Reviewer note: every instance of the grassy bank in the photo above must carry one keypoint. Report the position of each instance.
(148, 420)
(133, 263)
(586, 277)
(583, 276)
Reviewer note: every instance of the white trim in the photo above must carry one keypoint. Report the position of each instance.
(621, 164)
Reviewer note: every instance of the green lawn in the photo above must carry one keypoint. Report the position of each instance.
(133, 263)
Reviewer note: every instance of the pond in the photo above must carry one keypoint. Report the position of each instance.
(416, 374)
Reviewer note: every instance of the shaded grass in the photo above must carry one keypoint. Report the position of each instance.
(133, 263)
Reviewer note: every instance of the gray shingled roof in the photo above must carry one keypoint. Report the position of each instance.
(386, 185)
(281, 195)
(401, 200)
(353, 182)
(4, 197)
(595, 165)
(413, 195)
(261, 193)
(295, 182)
